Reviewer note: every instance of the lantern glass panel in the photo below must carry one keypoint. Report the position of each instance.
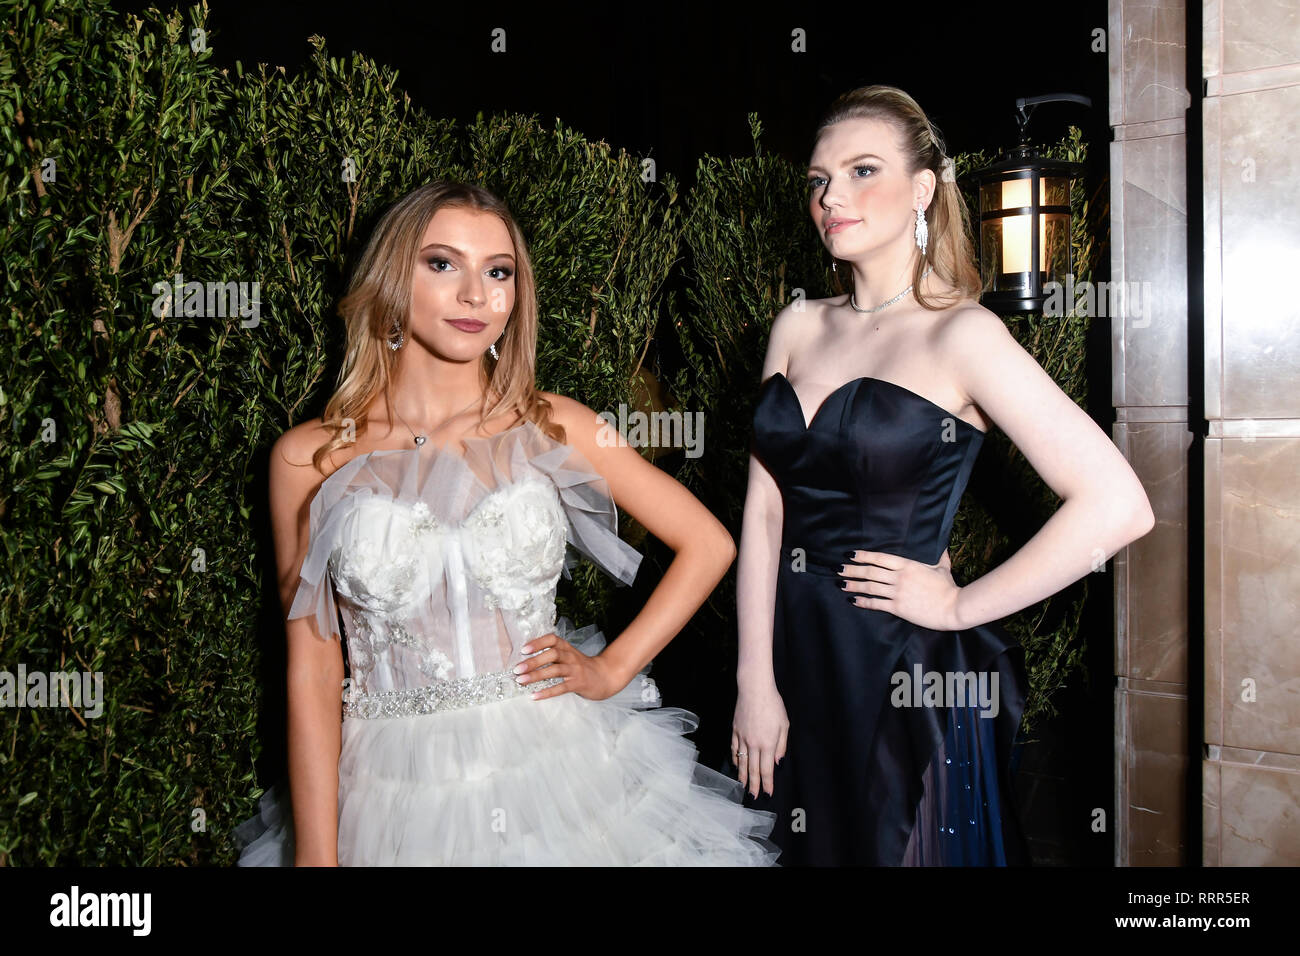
(991, 196)
(1055, 250)
(1016, 193)
(1056, 191)
(994, 254)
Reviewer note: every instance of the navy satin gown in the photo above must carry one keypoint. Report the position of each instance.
(878, 771)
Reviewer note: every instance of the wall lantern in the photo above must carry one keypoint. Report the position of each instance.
(1024, 216)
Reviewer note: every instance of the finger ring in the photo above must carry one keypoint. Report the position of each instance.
(741, 753)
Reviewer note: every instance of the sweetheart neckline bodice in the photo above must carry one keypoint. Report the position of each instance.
(808, 423)
(446, 563)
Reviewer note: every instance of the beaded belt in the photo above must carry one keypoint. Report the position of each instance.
(441, 695)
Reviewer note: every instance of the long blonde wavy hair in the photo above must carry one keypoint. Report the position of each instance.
(949, 249)
(377, 304)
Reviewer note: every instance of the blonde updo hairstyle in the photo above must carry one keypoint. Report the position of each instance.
(949, 250)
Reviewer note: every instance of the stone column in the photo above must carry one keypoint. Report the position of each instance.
(1251, 128)
(1148, 103)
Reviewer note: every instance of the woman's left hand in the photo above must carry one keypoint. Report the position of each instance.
(924, 594)
(584, 675)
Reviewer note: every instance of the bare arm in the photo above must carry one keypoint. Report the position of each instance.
(315, 663)
(760, 726)
(756, 574)
(760, 545)
(1104, 505)
(703, 548)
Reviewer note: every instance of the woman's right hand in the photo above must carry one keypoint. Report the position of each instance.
(758, 736)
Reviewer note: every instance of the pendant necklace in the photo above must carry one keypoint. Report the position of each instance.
(421, 439)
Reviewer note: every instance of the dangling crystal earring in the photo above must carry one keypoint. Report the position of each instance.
(401, 339)
(834, 266)
(922, 230)
(493, 349)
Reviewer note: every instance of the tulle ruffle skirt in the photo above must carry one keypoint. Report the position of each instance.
(523, 782)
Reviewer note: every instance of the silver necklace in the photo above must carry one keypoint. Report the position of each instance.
(853, 300)
(421, 439)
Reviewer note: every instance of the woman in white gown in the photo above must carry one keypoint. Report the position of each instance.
(475, 728)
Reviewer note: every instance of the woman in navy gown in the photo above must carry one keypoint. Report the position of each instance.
(877, 700)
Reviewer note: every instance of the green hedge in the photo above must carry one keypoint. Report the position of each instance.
(133, 511)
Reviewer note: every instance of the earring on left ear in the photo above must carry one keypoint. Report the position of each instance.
(922, 230)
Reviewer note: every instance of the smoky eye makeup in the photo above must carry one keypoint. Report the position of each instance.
(433, 261)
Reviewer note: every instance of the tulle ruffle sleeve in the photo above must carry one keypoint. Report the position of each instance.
(315, 595)
(591, 517)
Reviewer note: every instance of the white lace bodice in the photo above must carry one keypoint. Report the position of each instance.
(446, 564)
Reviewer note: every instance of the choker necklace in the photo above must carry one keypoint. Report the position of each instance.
(421, 439)
(853, 300)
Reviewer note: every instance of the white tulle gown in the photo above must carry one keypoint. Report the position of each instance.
(445, 566)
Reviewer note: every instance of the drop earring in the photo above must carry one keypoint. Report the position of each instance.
(401, 339)
(922, 230)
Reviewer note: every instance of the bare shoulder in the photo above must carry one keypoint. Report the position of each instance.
(294, 482)
(1070, 452)
(798, 322)
(966, 320)
(995, 372)
(579, 422)
(801, 314)
(648, 493)
(291, 455)
(969, 334)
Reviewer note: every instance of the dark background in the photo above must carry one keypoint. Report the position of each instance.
(676, 84)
